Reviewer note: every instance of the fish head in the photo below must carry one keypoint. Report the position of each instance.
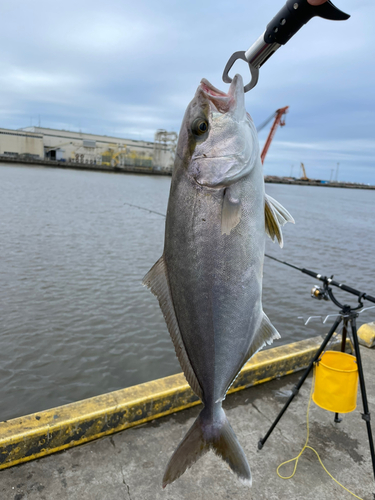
(218, 140)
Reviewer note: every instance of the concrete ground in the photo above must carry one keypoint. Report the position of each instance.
(130, 465)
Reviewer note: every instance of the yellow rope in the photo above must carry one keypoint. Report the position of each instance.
(310, 448)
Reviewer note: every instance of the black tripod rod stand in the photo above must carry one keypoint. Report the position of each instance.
(347, 315)
(366, 413)
(344, 334)
(298, 386)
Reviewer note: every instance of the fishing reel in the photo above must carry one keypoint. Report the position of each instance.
(319, 293)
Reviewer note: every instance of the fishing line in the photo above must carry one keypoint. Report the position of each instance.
(296, 459)
(143, 208)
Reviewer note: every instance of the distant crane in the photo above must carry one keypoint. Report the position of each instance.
(304, 176)
(278, 120)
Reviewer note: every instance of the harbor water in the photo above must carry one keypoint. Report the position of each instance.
(75, 320)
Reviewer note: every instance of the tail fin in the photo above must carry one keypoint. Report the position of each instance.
(208, 432)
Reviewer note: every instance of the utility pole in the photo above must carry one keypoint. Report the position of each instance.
(337, 172)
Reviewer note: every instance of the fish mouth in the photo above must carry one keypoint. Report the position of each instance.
(208, 88)
(224, 102)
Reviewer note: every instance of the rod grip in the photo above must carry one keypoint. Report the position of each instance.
(294, 15)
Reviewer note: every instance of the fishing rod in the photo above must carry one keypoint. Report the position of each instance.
(347, 316)
(318, 292)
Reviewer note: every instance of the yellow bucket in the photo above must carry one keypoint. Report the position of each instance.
(336, 382)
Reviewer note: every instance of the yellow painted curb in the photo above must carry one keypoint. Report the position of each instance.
(366, 335)
(33, 436)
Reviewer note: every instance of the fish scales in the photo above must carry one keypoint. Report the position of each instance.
(219, 285)
(209, 278)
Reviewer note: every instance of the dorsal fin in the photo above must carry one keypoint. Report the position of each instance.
(157, 281)
(275, 217)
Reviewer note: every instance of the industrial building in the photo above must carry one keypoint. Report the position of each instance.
(78, 147)
(21, 143)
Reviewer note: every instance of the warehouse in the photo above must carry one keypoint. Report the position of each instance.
(78, 147)
(21, 143)
(102, 150)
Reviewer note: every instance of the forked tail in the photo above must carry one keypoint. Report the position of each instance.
(210, 431)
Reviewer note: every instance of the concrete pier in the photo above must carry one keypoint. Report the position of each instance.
(273, 179)
(130, 464)
(125, 169)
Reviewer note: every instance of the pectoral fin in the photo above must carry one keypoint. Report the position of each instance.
(230, 213)
(275, 217)
(156, 280)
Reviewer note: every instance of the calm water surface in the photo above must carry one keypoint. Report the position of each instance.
(75, 320)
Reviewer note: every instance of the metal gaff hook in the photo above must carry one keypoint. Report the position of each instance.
(253, 70)
(279, 31)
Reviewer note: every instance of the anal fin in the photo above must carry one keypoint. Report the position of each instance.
(265, 334)
(157, 281)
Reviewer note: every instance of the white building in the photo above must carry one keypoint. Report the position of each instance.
(78, 147)
(18, 142)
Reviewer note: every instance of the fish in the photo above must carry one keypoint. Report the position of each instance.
(208, 280)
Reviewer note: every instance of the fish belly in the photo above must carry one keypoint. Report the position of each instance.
(215, 279)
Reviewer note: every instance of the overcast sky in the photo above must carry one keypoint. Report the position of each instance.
(127, 68)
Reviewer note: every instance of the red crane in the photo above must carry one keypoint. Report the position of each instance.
(279, 114)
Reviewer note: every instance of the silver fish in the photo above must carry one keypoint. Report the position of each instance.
(209, 278)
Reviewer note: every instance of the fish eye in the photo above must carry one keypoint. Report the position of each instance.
(199, 126)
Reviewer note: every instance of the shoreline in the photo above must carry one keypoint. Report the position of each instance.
(46, 432)
(268, 179)
(87, 166)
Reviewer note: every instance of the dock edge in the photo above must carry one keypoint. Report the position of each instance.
(39, 434)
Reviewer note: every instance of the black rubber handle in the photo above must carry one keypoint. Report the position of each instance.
(294, 15)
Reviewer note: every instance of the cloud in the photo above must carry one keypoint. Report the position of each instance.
(18, 83)
(366, 146)
(132, 67)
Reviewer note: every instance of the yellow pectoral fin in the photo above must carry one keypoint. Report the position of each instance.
(275, 217)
